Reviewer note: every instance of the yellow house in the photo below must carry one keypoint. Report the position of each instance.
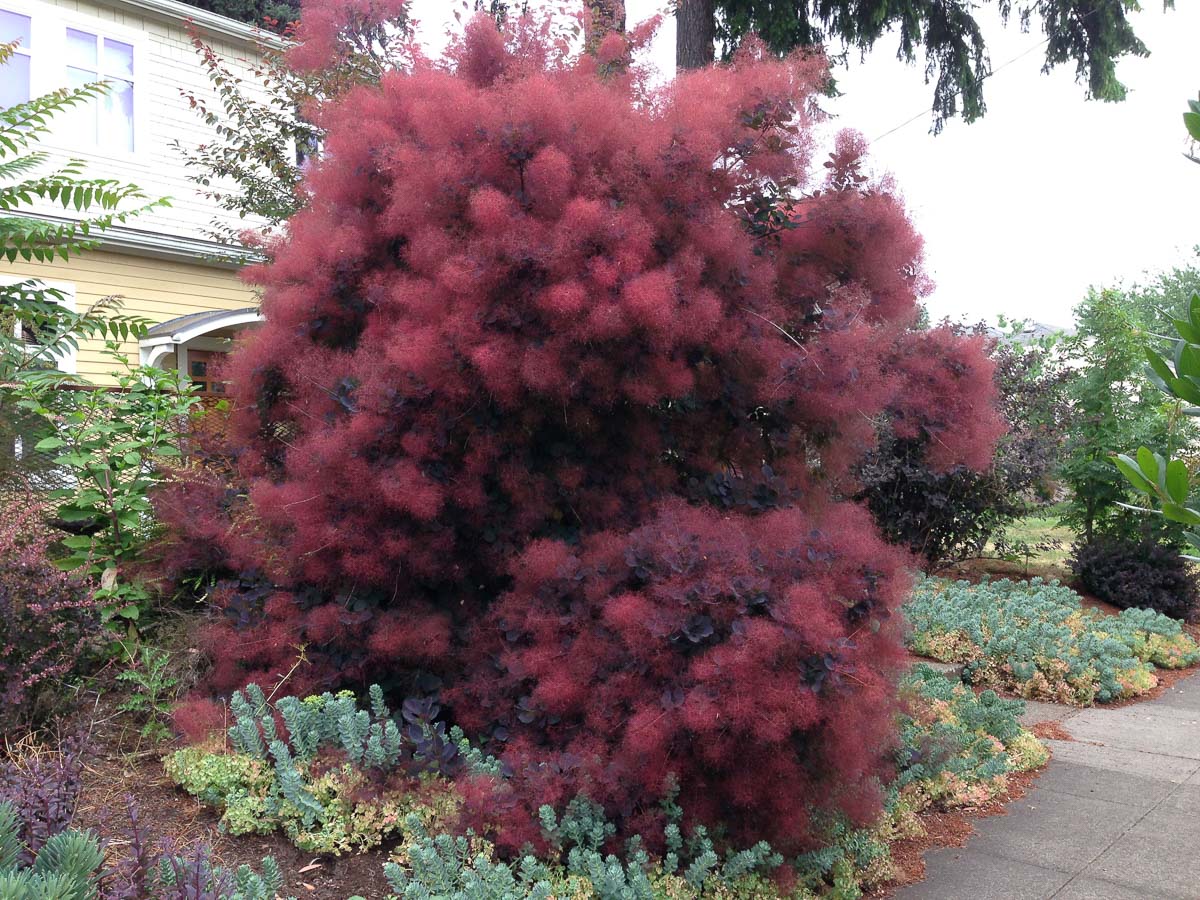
(164, 266)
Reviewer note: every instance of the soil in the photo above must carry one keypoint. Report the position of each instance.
(974, 569)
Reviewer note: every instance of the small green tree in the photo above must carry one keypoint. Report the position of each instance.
(263, 125)
(112, 442)
(252, 168)
(106, 441)
(1114, 407)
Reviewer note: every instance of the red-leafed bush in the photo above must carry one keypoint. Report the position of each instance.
(725, 651)
(48, 620)
(542, 334)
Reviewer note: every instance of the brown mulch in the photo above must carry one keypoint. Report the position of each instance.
(1051, 731)
(947, 829)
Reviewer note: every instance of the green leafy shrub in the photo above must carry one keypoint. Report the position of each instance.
(1036, 639)
(1138, 574)
(152, 690)
(113, 444)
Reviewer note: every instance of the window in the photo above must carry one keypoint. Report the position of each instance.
(16, 77)
(203, 366)
(91, 57)
(54, 291)
(61, 48)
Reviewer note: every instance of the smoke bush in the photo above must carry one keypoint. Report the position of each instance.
(542, 336)
(685, 649)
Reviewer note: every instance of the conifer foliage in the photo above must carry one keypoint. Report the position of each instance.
(560, 393)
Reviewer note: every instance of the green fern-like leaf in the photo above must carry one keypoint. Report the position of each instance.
(10, 838)
(74, 854)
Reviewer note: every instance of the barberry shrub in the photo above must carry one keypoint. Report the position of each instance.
(49, 620)
(1140, 573)
(558, 403)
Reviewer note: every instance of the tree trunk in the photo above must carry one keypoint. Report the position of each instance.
(694, 33)
(604, 16)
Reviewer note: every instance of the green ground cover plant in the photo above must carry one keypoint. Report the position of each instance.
(339, 777)
(334, 778)
(1036, 639)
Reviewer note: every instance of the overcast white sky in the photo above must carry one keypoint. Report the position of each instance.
(1049, 193)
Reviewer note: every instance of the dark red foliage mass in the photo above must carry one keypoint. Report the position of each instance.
(727, 651)
(558, 399)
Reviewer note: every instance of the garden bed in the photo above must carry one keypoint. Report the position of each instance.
(967, 758)
(1039, 639)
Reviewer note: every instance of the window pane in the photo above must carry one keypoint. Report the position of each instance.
(79, 122)
(199, 369)
(117, 127)
(14, 28)
(81, 48)
(118, 59)
(14, 81)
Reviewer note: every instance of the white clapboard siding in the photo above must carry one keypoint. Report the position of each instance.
(165, 64)
(155, 289)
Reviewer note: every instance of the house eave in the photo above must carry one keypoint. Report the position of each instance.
(156, 245)
(210, 22)
(176, 248)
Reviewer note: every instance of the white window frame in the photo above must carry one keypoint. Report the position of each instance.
(48, 71)
(66, 362)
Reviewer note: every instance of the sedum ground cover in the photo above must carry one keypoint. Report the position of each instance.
(340, 778)
(1036, 639)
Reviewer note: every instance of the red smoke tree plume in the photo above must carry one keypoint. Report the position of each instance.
(556, 410)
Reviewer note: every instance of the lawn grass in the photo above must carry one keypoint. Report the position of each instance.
(1040, 527)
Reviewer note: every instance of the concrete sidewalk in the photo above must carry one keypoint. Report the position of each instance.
(1115, 816)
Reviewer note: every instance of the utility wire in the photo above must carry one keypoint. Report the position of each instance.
(982, 79)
